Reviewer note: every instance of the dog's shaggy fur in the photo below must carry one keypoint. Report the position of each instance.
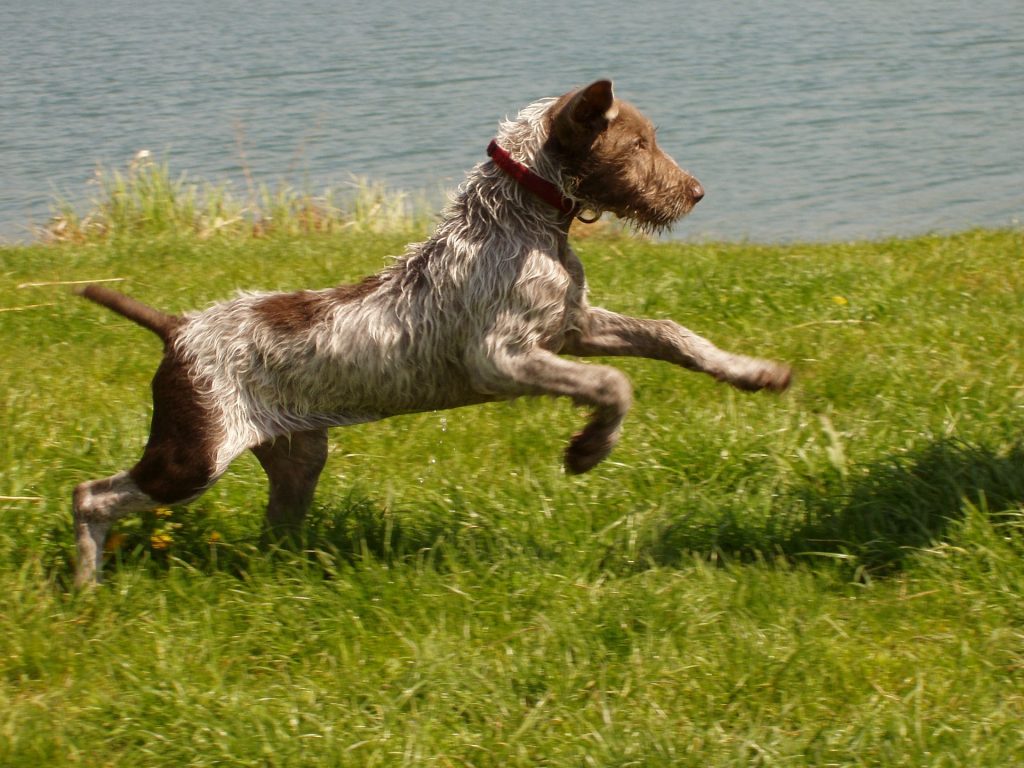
(479, 312)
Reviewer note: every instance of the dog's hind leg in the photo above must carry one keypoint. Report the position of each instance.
(293, 464)
(162, 477)
(97, 505)
(179, 463)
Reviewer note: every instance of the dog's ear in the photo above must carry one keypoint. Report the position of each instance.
(586, 114)
(594, 104)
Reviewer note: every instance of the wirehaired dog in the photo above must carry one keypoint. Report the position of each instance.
(479, 312)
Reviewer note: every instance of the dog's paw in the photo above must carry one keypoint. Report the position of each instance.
(589, 448)
(775, 377)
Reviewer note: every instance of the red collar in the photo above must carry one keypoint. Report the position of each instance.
(530, 181)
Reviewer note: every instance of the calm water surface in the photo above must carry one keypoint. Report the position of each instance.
(804, 120)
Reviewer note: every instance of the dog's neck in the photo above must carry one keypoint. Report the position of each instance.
(530, 181)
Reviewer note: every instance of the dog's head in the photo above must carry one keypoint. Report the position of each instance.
(611, 162)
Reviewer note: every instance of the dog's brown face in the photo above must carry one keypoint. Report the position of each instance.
(610, 155)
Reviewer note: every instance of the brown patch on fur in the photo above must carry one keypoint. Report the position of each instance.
(178, 462)
(343, 294)
(294, 313)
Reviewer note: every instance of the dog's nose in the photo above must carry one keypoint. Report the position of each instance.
(697, 191)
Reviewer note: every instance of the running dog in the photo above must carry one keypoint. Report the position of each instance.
(480, 311)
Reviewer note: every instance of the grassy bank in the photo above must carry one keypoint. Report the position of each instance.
(146, 199)
(830, 577)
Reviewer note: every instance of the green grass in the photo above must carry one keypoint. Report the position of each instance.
(832, 577)
(146, 199)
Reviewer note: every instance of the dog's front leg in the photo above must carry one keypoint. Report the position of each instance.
(539, 372)
(602, 332)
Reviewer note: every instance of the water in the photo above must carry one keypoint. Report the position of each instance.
(804, 120)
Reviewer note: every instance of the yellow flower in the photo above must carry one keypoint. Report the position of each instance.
(840, 300)
(163, 512)
(214, 537)
(161, 540)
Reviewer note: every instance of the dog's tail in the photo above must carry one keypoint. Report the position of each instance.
(160, 323)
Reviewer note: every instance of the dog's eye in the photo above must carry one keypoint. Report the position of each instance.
(640, 143)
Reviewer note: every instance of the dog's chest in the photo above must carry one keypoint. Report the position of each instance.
(551, 292)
